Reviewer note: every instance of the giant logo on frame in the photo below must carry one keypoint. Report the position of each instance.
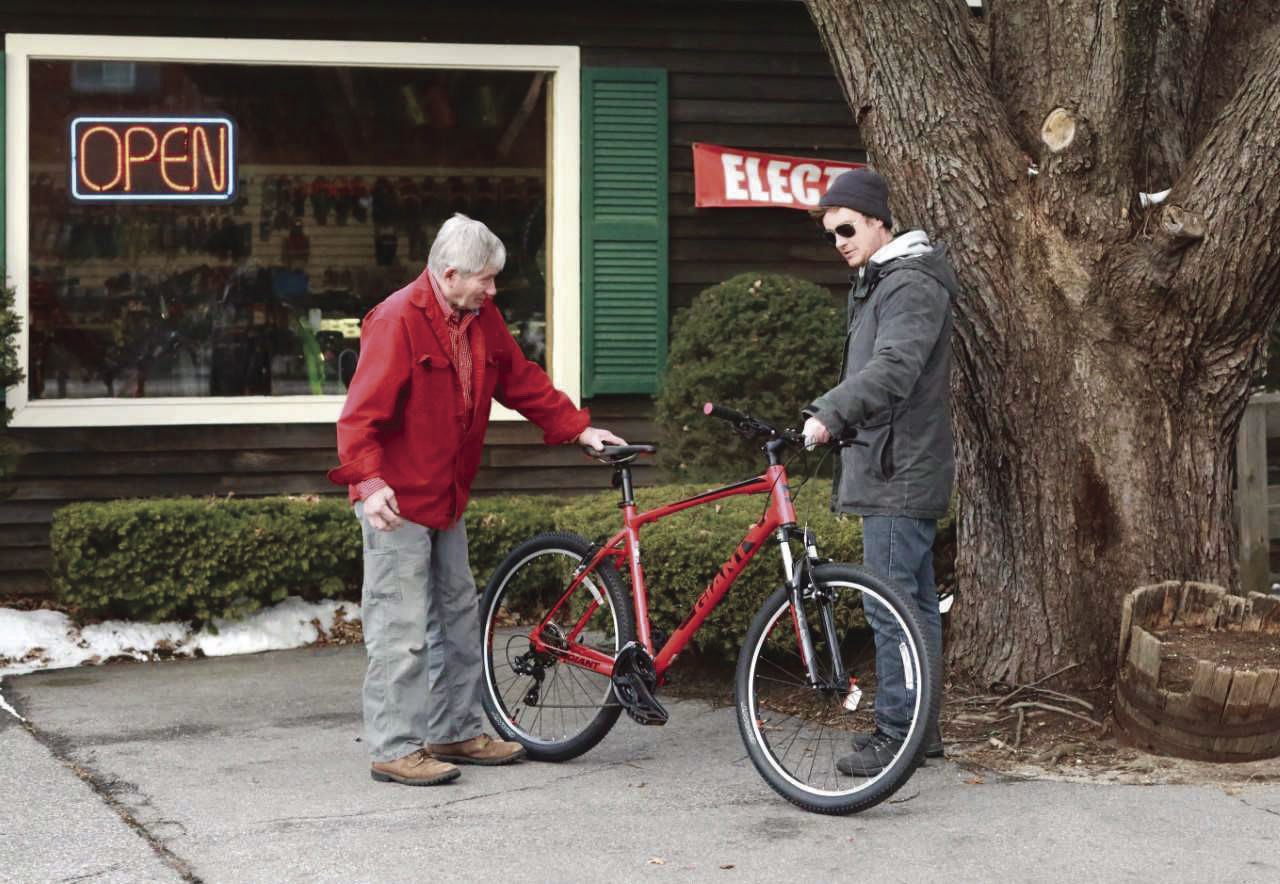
(154, 159)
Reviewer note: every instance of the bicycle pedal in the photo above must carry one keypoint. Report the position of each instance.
(644, 707)
(655, 717)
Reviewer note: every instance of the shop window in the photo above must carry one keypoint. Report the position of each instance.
(204, 236)
(104, 76)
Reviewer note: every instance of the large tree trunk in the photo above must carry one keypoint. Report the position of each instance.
(1104, 350)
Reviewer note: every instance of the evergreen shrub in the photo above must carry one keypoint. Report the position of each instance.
(200, 559)
(10, 370)
(759, 342)
(197, 559)
(497, 525)
(1270, 373)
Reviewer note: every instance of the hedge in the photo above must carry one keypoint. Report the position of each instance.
(199, 559)
(10, 371)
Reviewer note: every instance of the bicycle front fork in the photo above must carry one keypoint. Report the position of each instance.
(802, 588)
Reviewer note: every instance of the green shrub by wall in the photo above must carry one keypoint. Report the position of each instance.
(1270, 368)
(10, 370)
(496, 525)
(758, 342)
(196, 559)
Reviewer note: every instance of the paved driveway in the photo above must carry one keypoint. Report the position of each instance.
(249, 769)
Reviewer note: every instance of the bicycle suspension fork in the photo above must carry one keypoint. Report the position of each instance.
(801, 585)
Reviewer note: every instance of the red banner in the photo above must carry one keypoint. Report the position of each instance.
(726, 176)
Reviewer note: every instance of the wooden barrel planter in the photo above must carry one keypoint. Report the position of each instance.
(1198, 708)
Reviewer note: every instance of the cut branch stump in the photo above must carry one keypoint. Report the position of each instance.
(1226, 714)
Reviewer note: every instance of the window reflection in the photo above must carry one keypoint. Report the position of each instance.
(344, 175)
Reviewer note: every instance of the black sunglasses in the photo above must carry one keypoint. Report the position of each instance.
(844, 230)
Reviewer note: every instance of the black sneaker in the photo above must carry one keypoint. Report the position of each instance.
(932, 748)
(876, 752)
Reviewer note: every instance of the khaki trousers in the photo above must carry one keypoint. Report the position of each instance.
(422, 635)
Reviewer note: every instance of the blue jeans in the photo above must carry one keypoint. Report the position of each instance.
(900, 549)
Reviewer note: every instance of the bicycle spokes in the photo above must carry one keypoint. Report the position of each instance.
(806, 716)
(550, 638)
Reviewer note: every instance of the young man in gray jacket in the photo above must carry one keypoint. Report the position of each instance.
(894, 390)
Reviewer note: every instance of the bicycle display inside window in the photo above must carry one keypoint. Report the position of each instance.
(568, 646)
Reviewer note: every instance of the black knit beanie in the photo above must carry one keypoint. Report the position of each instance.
(862, 190)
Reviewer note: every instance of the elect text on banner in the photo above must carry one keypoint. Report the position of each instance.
(726, 176)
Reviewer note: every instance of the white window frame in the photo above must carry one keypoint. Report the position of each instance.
(563, 276)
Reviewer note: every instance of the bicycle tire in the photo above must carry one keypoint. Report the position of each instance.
(794, 733)
(572, 708)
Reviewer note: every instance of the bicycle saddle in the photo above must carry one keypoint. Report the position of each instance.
(620, 454)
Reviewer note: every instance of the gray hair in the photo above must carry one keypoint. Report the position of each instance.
(467, 245)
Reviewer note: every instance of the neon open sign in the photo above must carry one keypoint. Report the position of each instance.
(153, 158)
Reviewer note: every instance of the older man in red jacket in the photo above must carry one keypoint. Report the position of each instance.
(432, 357)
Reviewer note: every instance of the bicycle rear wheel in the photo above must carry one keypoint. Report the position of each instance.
(796, 731)
(532, 692)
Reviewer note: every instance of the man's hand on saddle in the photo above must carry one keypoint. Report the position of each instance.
(596, 438)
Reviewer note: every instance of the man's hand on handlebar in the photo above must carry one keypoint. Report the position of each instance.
(815, 433)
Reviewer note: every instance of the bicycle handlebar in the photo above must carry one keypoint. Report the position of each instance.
(725, 413)
(754, 427)
(750, 426)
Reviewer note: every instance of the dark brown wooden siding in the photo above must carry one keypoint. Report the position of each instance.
(743, 74)
(57, 466)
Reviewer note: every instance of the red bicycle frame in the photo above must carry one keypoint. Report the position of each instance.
(779, 516)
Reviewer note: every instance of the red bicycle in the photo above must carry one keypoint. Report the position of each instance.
(566, 651)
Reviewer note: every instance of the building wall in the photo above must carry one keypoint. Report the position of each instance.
(744, 74)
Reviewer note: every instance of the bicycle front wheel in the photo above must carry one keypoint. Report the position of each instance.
(534, 629)
(797, 731)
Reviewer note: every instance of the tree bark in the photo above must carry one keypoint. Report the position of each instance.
(1104, 352)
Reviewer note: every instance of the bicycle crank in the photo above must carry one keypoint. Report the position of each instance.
(634, 684)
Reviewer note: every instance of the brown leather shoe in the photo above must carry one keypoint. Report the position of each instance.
(415, 769)
(483, 749)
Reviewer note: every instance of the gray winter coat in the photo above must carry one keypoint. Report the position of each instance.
(895, 385)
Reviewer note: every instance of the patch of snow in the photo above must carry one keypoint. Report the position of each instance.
(7, 708)
(34, 640)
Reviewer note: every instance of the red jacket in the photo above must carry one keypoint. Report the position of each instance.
(403, 420)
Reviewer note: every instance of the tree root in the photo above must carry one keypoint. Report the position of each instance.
(1030, 704)
(1054, 755)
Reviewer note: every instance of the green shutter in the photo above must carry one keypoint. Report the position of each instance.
(4, 243)
(4, 175)
(624, 229)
